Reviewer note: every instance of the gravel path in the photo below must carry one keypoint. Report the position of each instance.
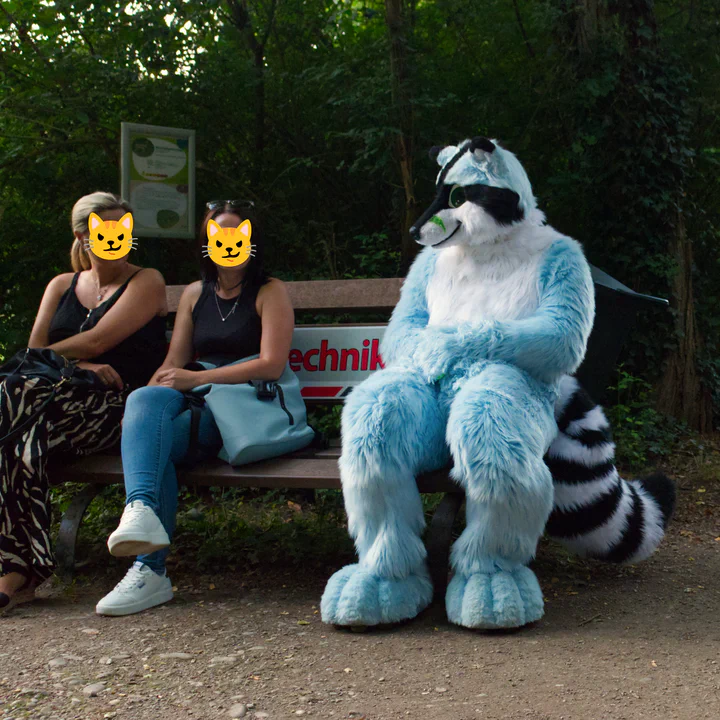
(616, 643)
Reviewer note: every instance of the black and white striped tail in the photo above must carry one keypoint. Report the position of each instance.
(596, 513)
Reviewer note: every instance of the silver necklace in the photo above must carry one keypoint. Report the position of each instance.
(217, 304)
(100, 292)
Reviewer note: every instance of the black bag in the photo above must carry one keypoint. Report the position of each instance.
(48, 365)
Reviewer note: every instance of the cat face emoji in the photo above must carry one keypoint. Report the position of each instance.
(110, 239)
(229, 247)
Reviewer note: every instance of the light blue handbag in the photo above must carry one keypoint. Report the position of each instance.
(258, 419)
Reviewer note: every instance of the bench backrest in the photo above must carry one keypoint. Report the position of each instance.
(330, 360)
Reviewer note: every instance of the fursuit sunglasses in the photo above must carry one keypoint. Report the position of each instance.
(231, 204)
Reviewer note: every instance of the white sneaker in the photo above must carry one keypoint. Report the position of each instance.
(140, 532)
(140, 589)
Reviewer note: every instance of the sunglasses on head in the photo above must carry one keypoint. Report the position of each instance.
(231, 204)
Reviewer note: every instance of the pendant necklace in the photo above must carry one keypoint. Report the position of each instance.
(100, 292)
(232, 310)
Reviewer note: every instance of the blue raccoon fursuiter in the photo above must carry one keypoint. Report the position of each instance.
(494, 315)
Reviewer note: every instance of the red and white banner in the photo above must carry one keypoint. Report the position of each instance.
(330, 361)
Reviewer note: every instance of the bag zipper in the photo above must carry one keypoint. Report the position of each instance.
(281, 395)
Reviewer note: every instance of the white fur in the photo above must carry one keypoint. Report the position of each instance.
(569, 497)
(567, 448)
(594, 420)
(602, 539)
(566, 389)
(653, 530)
(494, 281)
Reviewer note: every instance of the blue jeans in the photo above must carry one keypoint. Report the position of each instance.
(155, 436)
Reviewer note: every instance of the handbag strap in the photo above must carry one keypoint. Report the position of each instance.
(196, 403)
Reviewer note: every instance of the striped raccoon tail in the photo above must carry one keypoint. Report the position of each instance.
(595, 512)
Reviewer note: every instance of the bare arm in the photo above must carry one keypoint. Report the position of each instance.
(180, 352)
(278, 321)
(143, 298)
(48, 305)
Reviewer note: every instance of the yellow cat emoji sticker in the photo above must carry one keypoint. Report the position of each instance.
(110, 239)
(229, 247)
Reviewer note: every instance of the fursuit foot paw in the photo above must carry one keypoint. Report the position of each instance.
(491, 601)
(356, 597)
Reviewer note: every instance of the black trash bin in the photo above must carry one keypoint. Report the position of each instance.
(616, 308)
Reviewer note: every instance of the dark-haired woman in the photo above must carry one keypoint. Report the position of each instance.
(108, 316)
(233, 313)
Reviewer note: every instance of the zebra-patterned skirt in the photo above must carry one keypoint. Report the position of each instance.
(76, 421)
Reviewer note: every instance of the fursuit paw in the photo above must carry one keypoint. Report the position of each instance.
(354, 596)
(495, 600)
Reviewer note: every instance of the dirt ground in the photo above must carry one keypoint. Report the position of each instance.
(615, 643)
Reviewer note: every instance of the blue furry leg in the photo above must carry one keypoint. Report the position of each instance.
(501, 423)
(392, 428)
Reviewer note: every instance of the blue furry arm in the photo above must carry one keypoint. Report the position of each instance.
(548, 344)
(551, 342)
(410, 316)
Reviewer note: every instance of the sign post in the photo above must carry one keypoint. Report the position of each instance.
(157, 177)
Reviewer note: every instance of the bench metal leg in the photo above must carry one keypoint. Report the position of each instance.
(439, 538)
(69, 526)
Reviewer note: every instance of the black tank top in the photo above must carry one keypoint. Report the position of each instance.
(135, 358)
(238, 336)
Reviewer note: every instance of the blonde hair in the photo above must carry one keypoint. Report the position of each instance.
(96, 202)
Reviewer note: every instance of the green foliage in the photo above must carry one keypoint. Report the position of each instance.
(615, 120)
(640, 432)
(262, 528)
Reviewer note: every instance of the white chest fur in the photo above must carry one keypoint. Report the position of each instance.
(499, 282)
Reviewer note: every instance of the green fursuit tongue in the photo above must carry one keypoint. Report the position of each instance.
(438, 221)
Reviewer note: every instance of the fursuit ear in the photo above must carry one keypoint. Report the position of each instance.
(434, 151)
(481, 146)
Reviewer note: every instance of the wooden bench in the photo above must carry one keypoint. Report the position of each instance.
(330, 360)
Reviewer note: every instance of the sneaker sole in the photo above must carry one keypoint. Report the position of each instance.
(158, 598)
(131, 548)
(128, 545)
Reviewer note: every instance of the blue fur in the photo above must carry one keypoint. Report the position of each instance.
(482, 394)
(499, 168)
(498, 599)
(548, 344)
(409, 319)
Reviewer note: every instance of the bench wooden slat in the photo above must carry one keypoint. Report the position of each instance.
(336, 295)
(318, 472)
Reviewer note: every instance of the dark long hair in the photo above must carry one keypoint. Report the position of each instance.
(255, 274)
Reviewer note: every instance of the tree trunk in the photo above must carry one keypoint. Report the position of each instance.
(259, 114)
(681, 392)
(240, 17)
(399, 29)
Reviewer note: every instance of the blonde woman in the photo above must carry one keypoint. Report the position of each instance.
(109, 317)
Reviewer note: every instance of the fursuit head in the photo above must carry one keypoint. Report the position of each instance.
(493, 317)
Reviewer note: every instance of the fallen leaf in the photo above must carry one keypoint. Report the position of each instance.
(303, 622)
(211, 586)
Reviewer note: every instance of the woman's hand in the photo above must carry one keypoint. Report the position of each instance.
(177, 378)
(107, 374)
(154, 379)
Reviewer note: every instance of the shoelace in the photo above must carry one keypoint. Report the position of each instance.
(131, 580)
(134, 509)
